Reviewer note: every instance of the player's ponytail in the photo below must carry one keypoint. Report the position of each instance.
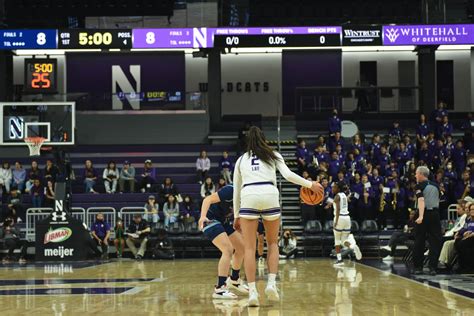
(257, 145)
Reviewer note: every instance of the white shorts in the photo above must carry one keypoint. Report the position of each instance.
(342, 230)
(264, 205)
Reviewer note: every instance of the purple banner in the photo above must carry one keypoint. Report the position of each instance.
(454, 34)
(204, 37)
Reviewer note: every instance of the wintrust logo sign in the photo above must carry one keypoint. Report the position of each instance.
(57, 235)
(362, 35)
(454, 34)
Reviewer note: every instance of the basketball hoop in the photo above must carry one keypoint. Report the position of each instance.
(34, 144)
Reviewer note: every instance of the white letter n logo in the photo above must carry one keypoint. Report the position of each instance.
(127, 91)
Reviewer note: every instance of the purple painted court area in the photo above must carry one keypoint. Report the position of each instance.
(68, 291)
(454, 34)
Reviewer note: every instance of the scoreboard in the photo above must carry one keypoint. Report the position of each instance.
(40, 75)
(278, 37)
(222, 37)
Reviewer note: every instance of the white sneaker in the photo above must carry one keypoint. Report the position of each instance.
(237, 285)
(388, 248)
(388, 258)
(338, 263)
(223, 293)
(253, 299)
(357, 252)
(272, 292)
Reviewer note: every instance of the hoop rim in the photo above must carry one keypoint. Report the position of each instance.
(34, 140)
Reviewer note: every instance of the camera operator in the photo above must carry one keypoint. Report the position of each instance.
(288, 245)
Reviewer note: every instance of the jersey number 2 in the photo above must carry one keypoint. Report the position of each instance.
(255, 163)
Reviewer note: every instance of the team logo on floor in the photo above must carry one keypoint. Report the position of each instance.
(57, 235)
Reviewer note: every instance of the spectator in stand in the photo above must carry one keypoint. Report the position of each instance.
(287, 245)
(151, 211)
(14, 205)
(167, 188)
(357, 143)
(468, 124)
(321, 141)
(431, 141)
(409, 145)
(19, 177)
(365, 203)
(437, 117)
(171, 211)
(375, 148)
(37, 193)
(127, 175)
(334, 141)
(50, 171)
(383, 159)
(445, 128)
(90, 177)
(207, 188)
(396, 131)
(403, 156)
(226, 167)
(334, 123)
(110, 176)
(5, 177)
(49, 195)
(449, 145)
(33, 173)
(340, 153)
(138, 232)
(422, 129)
(148, 177)
(303, 157)
(357, 191)
(464, 243)
(188, 210)
(119, 241)
(10, 233)
(439, 155)
(221, 183)
(424, 155)
(334, 166)
(458, 157)
(400, 237)
(464, 186)
(203, 165)
(448, 252)
(319, 156)
(100, 231)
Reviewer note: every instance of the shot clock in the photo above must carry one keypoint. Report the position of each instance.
(90, 39)
(40, 75)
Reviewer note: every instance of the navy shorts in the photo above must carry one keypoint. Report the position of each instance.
(215, 228)
(261, 228)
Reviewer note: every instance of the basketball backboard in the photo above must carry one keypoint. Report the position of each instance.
(55, 121)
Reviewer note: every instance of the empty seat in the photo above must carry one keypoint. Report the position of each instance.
(312, 233)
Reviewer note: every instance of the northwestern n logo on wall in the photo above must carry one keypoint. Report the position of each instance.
(392, 34)
(15, 127)
(200, 37)
(127, 91)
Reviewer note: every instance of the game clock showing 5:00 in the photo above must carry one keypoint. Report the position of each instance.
(40, 75)
(89, 39)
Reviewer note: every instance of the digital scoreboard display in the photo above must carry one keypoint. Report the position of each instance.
(28, 39)
(93, 39)
(40, 75)
(278, 37)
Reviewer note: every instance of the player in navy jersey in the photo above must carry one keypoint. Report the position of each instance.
(215, 222)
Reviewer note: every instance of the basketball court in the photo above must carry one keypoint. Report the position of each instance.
(183, 287)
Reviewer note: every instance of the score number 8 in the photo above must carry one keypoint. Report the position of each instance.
(41, 38)
(150, 38)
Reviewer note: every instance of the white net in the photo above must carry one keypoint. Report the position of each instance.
(34, 144)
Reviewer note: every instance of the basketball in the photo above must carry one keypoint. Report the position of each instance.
(312, 198)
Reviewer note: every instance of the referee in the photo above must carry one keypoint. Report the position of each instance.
(428, 223)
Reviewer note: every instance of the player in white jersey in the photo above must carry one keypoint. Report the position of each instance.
(342, 223)
(256, 196)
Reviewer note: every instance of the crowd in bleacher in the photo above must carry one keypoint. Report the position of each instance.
(168, 206)
(380, 172)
